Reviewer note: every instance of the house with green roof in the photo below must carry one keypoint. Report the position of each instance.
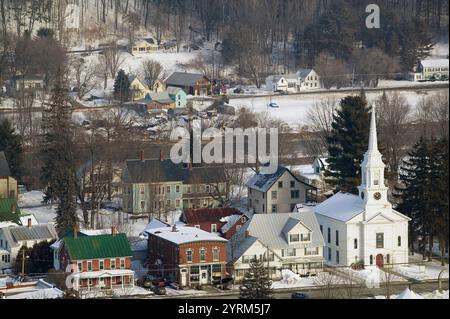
(9, 210)
(97, 262)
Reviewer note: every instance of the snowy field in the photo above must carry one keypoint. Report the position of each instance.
(292, 280)
(294, 109)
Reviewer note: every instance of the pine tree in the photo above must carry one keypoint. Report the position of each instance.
(439, 197)
(256, 283)
(122, 90)
(11, 144)
(58, 169)
(347, 144)
(414, 191)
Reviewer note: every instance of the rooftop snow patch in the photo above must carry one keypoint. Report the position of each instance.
(341, 206)
(183, 235)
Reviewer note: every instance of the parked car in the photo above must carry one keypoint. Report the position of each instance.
(274, 105)
(299, 295)
(238, 91)
(159, 290)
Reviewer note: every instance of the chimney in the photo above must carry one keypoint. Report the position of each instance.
(113, 230)
(142, 155)
(29, 223)
(174, 228)
(247, 234)
(75, 231)
(190, 165)
(161, 155)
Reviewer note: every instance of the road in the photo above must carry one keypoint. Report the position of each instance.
(341, 292)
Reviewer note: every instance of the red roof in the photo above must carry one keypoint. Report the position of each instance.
(202, 215)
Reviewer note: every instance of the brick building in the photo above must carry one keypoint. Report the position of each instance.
(98, 263)
(187, 255)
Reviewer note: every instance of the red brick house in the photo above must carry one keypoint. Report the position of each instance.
(96, 263)
(224, 221)
(187, 255)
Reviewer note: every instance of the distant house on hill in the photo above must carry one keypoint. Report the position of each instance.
(191, 83)
(25, 84)
(431, 70)
(302, 80)
(146, 45)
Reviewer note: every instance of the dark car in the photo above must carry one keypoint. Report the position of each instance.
(159, 290)
(299, 295)
(238, 91)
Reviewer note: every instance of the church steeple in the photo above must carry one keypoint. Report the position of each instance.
(373, 139)
(373, 191)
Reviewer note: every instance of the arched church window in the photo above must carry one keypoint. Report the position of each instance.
(355, 243)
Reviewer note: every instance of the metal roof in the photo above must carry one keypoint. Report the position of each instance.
(183, 79)
(268, 229)
(38, 232)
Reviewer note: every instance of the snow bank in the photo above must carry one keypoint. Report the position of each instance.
(408, 294)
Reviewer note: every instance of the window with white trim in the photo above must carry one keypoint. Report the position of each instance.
(216, 253)
(203, 255)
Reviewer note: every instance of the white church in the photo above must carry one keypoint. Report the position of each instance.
(365, 228)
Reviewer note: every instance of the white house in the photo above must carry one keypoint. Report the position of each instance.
(432, 69)
(14, 237)
(276, 83)
(309, 79)
(364, 229)
(284, 241)
(279, 192)
(304, 79)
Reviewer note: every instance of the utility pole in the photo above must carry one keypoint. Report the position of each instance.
(23, 262)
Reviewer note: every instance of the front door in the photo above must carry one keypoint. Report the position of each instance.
(183, 277)
(380, 261)
(204, 277)
(102, 283)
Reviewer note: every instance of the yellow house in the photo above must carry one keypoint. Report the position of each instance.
(147, 45)
(8, 184)
(138, 87)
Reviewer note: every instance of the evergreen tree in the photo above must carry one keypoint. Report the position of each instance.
(122, 90)
(38, 259)
(11, 144)
(415, 190)
(58, 169)
(439, 197)
(347, 144)
(256, 283)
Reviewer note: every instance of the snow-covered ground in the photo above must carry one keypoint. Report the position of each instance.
(188, 292)
(31, 203)
(422, 272)
(292, 280)
(371, 275)
(408, 294)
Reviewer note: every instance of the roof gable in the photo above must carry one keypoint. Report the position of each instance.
(184, 79)
(4, 167)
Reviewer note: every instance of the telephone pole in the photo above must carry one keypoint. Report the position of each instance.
(23, 262)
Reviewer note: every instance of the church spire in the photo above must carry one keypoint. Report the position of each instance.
(373, 139)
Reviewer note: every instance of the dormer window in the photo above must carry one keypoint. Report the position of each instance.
(305, 237)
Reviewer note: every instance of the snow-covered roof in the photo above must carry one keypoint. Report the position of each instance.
(34, 290)
(341, 206)
(270, 229)
(24, 220)
(184, 235)
(155, 223)
(230, 221)
(435, 63)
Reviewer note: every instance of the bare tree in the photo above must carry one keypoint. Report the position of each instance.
(433, 113)
(153, 70)
(320, 118)
(333, 72)
(112, 59)
(328, 283)
(393, 113)
(84, 77)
